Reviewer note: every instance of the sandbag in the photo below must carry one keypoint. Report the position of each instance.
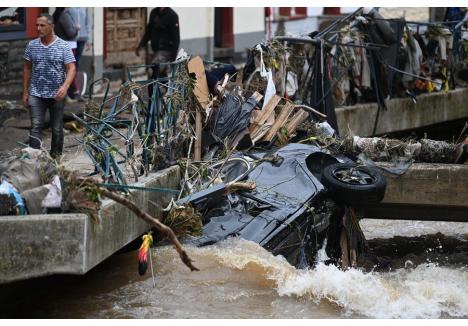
(34, 198)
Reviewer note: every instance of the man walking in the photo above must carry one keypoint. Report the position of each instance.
(48, 71)
(163, 32)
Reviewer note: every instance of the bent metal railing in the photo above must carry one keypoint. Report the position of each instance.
(137, 118)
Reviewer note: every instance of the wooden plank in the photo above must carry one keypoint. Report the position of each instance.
(254, 115)
(264, 115)
(128, 22)
(201, 86)
(201, 92)
(257, 96)
(279, 121)
(269, 109)
(261, 131)
(298, 118)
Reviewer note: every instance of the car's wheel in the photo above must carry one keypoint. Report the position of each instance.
(352, 184)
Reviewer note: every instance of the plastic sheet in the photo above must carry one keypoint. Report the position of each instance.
(291, 83)
(400, 165)
(233, 116)
(54, 197)
(266, 73)
(7, 188)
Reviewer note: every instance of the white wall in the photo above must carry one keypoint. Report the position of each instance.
(98, 31)
(314, 11)
(317, 11)
(248, 20)
(195, 22)
(198, 22)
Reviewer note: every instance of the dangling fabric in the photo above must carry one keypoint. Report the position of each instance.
(321, 94)
(143, 253)
(266, 73)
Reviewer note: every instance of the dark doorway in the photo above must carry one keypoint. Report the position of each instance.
(224, 32)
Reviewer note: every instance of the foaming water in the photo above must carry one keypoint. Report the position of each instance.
(427, 291)
(240, 279)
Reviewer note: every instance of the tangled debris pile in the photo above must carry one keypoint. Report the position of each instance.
(259, 149)
(203, 111)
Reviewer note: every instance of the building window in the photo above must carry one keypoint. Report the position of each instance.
(292, 12)
(12, 19)
(18, 23)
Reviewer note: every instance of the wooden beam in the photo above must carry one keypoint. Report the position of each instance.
(298, 118)
(279, 121)
(264, 115)
(257, 96)
(428, 184)
(201, 86)
(202, 94)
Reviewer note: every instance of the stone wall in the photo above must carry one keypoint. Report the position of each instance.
(11, 68)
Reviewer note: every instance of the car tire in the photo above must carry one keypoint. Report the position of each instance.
(354, 185)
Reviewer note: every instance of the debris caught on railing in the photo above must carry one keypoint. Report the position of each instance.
(259, 149)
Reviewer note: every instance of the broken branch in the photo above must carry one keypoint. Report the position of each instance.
(151, 220)
(236, 186)
(320, 114)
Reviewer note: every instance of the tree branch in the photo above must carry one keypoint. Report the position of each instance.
(151, 220)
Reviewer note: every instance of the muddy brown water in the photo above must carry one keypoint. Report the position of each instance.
(426, 276)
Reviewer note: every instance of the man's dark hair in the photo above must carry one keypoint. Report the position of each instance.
(50, 19)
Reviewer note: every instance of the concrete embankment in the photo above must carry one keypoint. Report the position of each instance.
(403, 114)
(427, 191)
(39, 245)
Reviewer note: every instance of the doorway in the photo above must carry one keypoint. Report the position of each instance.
(223, 33)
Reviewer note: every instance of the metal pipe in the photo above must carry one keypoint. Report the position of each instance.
(370, 46)
(337, 22)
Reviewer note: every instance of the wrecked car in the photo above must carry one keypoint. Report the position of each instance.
(300, 195)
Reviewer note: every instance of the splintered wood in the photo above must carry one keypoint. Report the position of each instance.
(201, 92)
(258, 128)
(279, 121)
(298, 118)
(265, 126)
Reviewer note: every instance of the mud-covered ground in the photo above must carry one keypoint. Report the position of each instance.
(15, 124)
